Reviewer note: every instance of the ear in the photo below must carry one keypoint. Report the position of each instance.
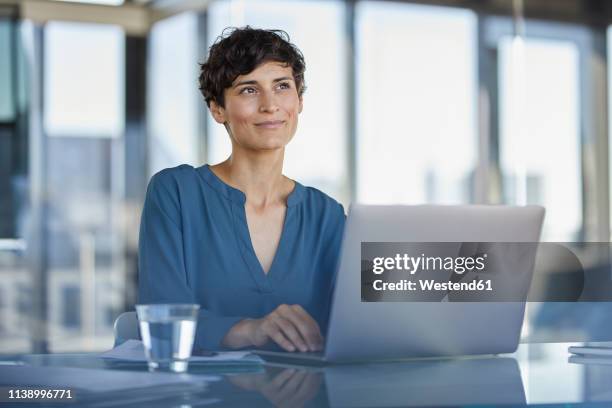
(301, 104)
(217, 111)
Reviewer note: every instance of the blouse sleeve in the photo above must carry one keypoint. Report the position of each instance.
(331, 255)
(162, 276)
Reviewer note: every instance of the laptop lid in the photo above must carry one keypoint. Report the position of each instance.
(390, 329)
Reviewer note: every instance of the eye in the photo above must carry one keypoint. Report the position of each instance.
(284, 85)
(248, 90)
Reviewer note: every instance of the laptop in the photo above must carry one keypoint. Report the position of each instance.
(389, 329)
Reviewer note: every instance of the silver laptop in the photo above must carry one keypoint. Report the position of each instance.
(389, 330)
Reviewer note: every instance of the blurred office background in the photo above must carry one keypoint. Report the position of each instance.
(441, 101)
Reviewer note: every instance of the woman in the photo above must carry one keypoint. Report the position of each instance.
(255, 249)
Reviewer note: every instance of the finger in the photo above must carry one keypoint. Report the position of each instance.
(286, 393)
(276, 334)
(309, 387)
(306, 316)
(291, 332)
(306, 325)
(295, 381)
(273, 389)
(243, 382)
(282, 378)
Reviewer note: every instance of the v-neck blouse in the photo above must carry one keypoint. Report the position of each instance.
(195, 247)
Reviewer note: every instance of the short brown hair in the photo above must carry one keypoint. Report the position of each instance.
(238, 51)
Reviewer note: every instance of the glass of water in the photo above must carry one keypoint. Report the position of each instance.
(167, 333)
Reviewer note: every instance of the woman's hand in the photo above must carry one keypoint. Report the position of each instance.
(283, 388)
(289, 326)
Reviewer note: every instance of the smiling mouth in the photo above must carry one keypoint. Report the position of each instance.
(272, 124)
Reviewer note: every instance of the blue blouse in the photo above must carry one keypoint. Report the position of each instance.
(195, 247)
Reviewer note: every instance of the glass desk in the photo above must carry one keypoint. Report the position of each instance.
(536, 375)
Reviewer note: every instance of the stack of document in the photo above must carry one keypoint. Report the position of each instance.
(590, 355)
(133, 350)
(114, 387)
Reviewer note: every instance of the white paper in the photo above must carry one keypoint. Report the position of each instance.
(133, 350)
(95, 380)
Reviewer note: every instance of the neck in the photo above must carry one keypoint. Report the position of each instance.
(259, 176)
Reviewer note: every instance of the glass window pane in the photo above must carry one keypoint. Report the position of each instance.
(609, 65)
(83, 79)
(539, 102)
(173, 97)
(15, 303)
(416, 71)
(104, 2)
(86, 246)
(7, 99)
(317, 154)
(83, 72)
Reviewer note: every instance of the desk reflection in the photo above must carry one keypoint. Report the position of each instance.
(597, 377)
(416, 383)
(459, 382)
(287, 387)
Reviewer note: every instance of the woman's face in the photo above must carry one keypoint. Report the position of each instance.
(261, 108)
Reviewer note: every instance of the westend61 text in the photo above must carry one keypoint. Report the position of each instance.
(431, 285)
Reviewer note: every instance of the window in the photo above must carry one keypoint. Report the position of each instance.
(105, 2)
(3, 315)
(24, 303)
(7, 97)
(539, 108)
(174, 98)
(83, 79)
(609, 78)
(71, 306)
(84, 102)
(416, 118)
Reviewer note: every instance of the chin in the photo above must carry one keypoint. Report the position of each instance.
(271, 143)
(270, 147)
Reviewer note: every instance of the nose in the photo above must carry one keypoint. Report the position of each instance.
(268, 102)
